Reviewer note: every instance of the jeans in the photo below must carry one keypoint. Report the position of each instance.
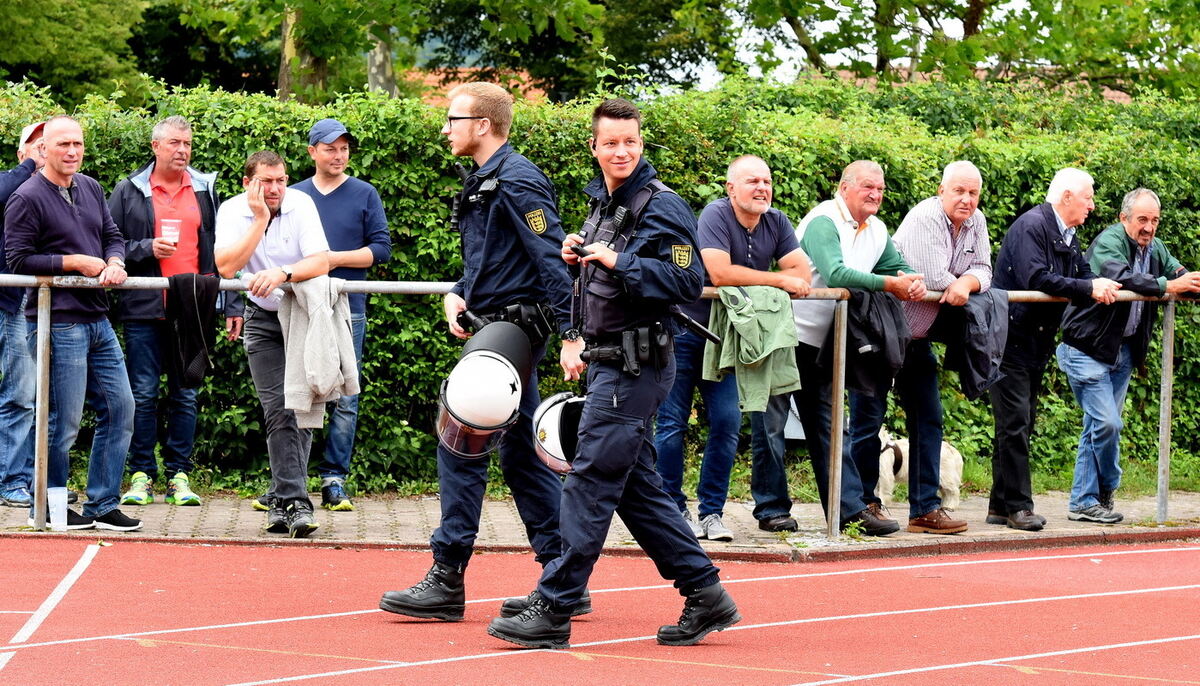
(814, 404)
(1100, 389)
(724, 423)
(343, 414)
(86, 363)
(17, 396)
(146, 346)
(287, 444)
(1014, 401)
(917, 388)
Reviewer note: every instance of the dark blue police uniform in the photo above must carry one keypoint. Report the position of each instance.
(511, 240)
(614, 470)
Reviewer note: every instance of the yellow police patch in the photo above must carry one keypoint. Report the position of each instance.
(537, 221)
(681, 255)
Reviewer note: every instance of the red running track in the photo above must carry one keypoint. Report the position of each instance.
(150, 613)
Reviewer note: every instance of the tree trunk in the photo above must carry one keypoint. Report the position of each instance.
(973, 17)
(381, 74)
(287, 53)
(806, 43)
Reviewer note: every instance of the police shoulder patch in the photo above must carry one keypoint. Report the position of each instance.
(681, 255)
(536, 220)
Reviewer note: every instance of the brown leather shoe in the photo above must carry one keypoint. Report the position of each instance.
(874, 522)
(1026, 520)
(936, 522)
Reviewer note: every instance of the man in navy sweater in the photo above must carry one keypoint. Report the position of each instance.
(57, 223)
(357, 231)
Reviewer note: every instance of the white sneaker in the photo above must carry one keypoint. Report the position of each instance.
(714, 529)
(697, 530)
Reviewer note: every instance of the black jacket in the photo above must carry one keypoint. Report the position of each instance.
(975, 336)
(877, 335)
(132, 208)
(191, 311)
(1035, 257)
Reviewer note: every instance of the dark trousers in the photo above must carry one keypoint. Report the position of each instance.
(1014, 401)
(535, 487)
(614, 472)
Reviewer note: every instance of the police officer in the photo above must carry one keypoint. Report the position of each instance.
(640, 242)
(511, 238)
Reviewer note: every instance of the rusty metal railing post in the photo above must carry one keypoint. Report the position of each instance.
(833, 518)
(1164, 410)
(41, 451)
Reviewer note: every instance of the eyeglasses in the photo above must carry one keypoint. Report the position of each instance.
(451, 119)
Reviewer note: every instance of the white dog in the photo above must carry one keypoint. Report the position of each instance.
(893, 469)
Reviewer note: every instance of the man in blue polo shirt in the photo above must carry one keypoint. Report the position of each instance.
(357, 231)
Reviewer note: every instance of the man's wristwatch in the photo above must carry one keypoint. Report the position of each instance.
(287, 273)
(572, 334)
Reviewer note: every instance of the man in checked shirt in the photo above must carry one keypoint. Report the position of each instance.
(946, 239)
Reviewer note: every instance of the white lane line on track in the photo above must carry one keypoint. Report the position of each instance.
(60, 591)
(766, 625)
(16, 612)
(999, 660)
(350, 613)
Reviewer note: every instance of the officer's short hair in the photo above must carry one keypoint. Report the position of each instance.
(264, 158)
(490, 101)
(616, 108)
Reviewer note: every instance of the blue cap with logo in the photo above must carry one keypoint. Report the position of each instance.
(327, 131)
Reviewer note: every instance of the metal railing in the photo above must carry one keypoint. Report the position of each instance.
(44, 284)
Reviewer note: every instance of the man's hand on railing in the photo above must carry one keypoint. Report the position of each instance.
(1184, 283)
(88, 265)
(905, 286)
(1105, 290)
(794, 285)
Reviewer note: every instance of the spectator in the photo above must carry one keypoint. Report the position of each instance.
(57, 223)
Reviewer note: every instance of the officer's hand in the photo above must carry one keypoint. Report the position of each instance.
(162, 248)
(454, 305)
(1105, 290)
(570, 361)
(794, 285)
(233, 328)
(569, 255)
(601, 253)
(254, 198)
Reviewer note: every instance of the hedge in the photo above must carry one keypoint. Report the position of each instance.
(806, 131)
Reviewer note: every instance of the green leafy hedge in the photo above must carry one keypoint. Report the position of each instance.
(806, 131)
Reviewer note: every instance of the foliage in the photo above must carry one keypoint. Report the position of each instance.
(807, 131)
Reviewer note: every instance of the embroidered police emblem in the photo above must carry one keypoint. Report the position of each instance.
(537, 221)
(681, 255)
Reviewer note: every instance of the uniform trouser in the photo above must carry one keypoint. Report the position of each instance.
(287, 444)
(614, 472)
(1014, 402)
(535, 487)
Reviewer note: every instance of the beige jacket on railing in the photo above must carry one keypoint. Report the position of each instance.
(319, 362)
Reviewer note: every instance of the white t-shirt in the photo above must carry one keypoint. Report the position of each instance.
(291, 236)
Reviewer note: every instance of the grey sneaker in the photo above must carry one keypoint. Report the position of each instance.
(300, 520)
(1096, 513)
(715, 529)
(697, 530)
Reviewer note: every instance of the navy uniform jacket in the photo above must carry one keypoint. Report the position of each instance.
(661, 266)
(512, 239)
(1035, 257)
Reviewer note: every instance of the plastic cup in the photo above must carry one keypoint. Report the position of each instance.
(170, 229)
(57, 498)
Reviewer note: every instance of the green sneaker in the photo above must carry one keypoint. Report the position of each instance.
(179, 492)
(140, 491)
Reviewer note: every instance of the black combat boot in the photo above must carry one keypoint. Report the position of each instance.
(537, 626)
(706, 610)
(512, 607)
(440, 595)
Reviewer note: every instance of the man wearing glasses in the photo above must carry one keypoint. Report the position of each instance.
(507, 216)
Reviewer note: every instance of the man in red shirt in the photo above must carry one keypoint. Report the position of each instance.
(167, 213)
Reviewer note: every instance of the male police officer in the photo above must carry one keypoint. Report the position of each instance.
(510, 243)
(641, 240)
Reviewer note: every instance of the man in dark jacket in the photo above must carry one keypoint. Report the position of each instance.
(166, 212)
(1102, 344)
(1040, 252)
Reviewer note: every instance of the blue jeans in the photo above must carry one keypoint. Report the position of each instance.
(146, 345)
(343, 414)
(86, 363)
(17, 386)
(917, 389)
(814, 404)
(1100, 389)
(724, 423)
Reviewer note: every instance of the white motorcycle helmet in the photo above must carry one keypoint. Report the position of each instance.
(556, 430)
(481, 398)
